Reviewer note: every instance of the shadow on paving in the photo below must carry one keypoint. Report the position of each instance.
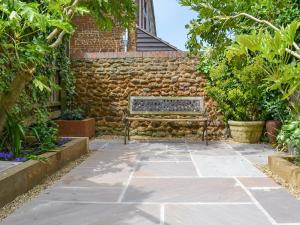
(91, 194)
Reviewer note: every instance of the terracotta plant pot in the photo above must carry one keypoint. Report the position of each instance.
(273, 127)
(246, 132)
(77, 128)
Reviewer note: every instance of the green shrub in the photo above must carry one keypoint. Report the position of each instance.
(236, 85)
(13, 135)
(290, 135)
(73, 114)
(45, 132)
(275, 107)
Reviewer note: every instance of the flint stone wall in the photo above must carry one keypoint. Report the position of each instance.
(105, 80)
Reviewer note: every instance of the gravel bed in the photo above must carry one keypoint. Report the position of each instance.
(293, 190)
(34, 192)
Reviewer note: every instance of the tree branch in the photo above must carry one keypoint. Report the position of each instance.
(293, 53)
(69, 11)
(8, 99)
(58, 40)
(296, 46)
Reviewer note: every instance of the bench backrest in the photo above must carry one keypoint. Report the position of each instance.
(166, 105)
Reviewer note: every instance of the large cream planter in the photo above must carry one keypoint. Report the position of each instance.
(246, 132)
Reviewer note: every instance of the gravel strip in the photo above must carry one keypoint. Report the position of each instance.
(293, 190)
(34, 192)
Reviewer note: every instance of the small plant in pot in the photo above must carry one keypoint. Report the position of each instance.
(74, 123)
(276, 112)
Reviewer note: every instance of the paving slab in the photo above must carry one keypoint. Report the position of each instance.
(93, 177)
(97, 144)
(107, 159)
(158, 169)
(224, 166)
(252, 147)
(215, 152)
(281, 205)
(258, 182)
(177, 147)
(81, 194)
(164, 156)
(258, 154)
(184, 190)
(58, 213)
(211, 146)
(117, 146)
(214, 215)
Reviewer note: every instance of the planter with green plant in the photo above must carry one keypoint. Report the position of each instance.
(74, 123)
(235, 84)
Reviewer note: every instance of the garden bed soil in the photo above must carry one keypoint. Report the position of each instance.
(21, 178)
(284, 167)
(77, 128)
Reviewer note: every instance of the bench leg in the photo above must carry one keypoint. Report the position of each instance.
(125, 132)
(206, 133)
(128, 131)
(203, 132)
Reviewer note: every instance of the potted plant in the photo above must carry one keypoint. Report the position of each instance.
(276, 109)
(235, 83)
(74, 123)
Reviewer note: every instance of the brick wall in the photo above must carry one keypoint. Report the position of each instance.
(89, 38)
(105, 80)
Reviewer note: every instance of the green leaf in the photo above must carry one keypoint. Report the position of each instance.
(40, 85)
(66, 26)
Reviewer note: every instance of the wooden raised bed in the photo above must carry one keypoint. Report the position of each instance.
(284, 167)
(21, 178)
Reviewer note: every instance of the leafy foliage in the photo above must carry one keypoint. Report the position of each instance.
(45, 132)
(13, 136)
(30, 33)
(274, 106)
(63, 64)
(30, 30)
(290, 134)
(235, 85)
(216, 26)
(239, 47)
(75, 114)
(283, 70)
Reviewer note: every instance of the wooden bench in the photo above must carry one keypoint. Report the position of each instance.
(178, 109)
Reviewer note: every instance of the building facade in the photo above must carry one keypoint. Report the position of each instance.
(88, 38)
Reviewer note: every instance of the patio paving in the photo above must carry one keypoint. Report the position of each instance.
(166, 183)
